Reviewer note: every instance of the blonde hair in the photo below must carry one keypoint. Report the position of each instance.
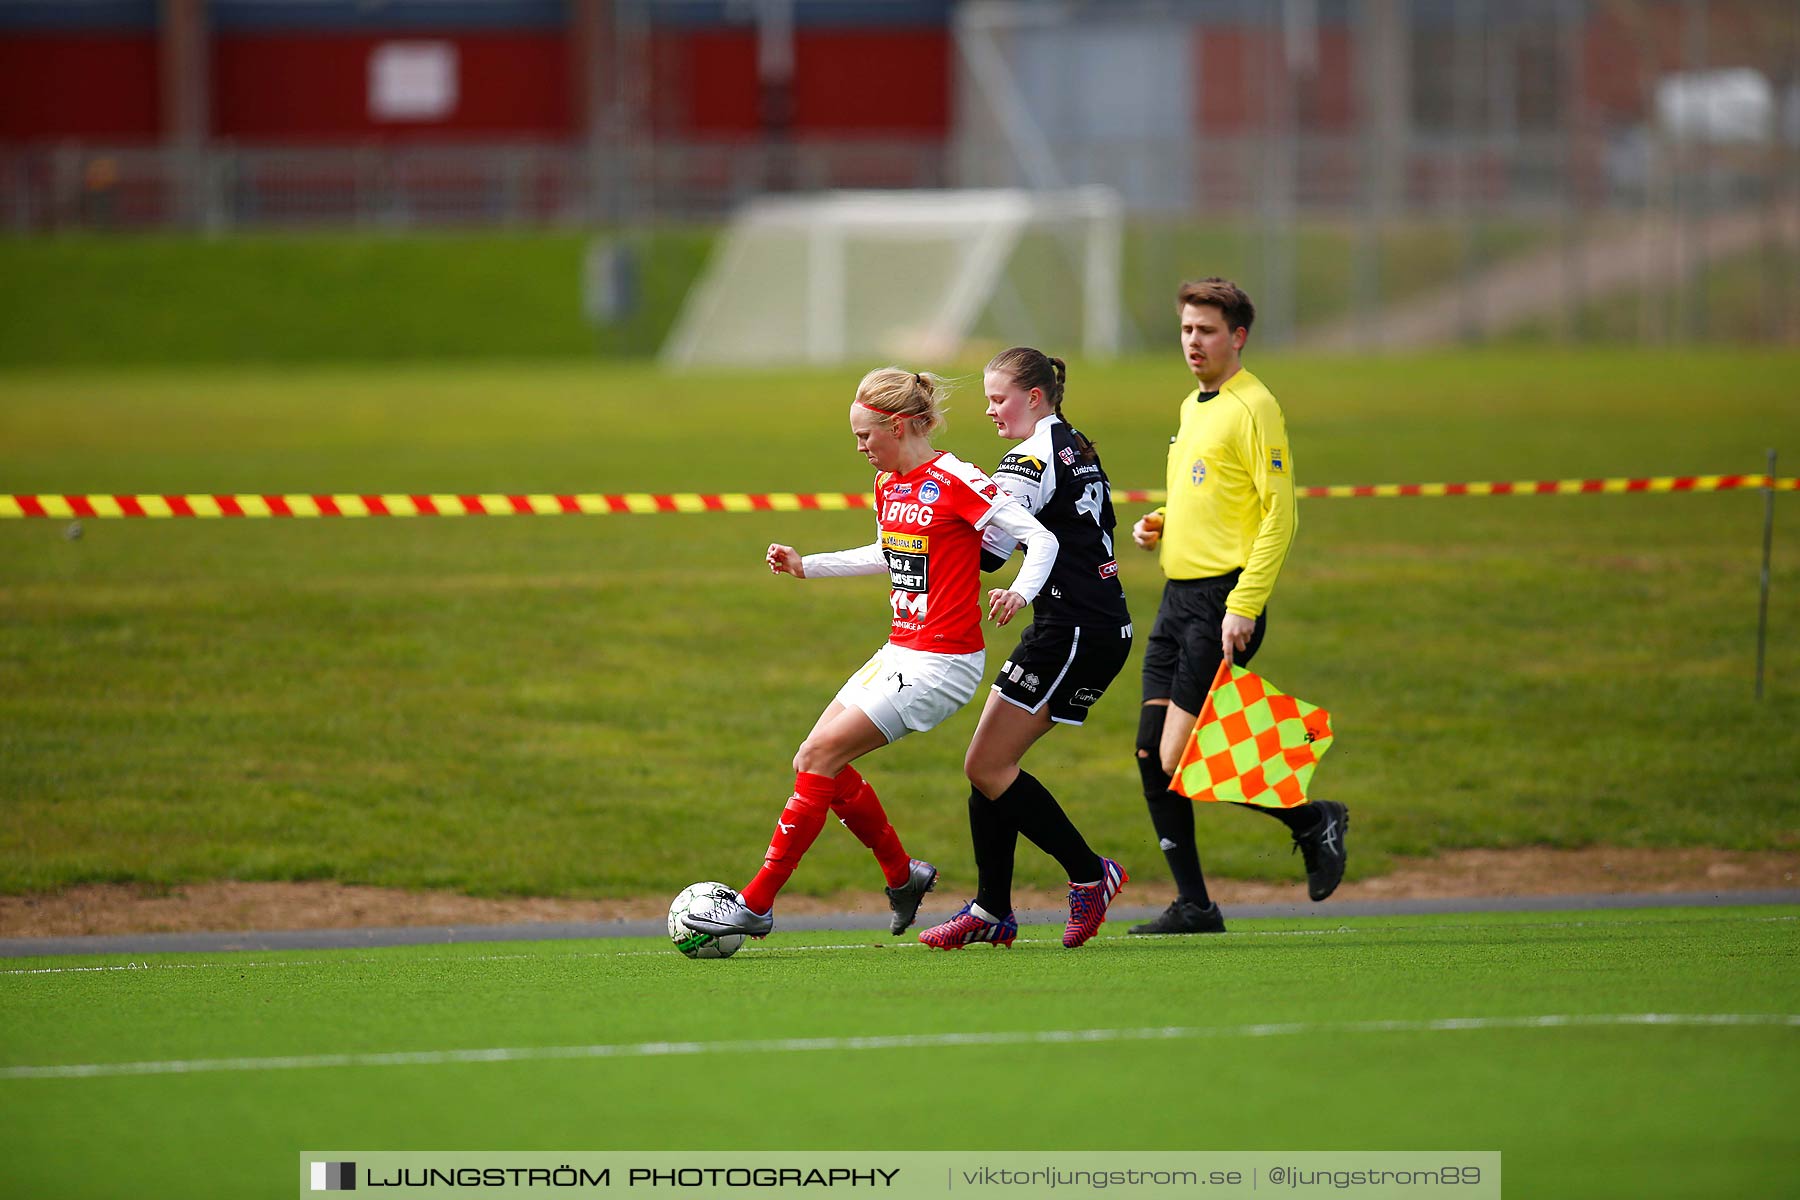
(906, 396)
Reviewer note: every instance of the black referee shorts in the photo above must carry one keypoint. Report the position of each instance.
(1183, 653)
(1064, 666)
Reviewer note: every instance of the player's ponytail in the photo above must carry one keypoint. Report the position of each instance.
(1029, 368)
(905, 397)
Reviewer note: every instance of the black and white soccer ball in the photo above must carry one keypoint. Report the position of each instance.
(691, 942)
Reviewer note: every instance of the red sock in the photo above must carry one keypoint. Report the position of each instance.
(800, 823)
(859, 808)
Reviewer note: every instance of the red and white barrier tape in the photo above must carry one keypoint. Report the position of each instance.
(83, 507)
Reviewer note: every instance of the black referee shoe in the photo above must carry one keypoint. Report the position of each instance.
(1184, 916)
(1324, 850)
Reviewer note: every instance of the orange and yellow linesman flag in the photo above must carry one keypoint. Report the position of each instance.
(1253, 744)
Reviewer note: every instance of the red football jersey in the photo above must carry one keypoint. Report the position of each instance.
(930, 521)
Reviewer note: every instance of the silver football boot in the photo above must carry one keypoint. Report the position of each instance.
(905, 899)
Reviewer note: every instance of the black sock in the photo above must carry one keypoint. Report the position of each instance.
(1302, 818)
(1173, 817)
(995, 839)
(1034, 812)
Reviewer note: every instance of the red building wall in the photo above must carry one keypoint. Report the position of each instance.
(847, 82)
(313, 87)
(56, 86)
(1229, 66)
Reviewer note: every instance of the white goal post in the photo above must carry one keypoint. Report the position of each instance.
(911, 276)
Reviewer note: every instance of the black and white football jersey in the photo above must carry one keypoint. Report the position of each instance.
(1046, 474)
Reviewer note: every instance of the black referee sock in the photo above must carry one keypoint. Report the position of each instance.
(1302, 818)
(1034, 812)
(1173, 817)
(995, 840)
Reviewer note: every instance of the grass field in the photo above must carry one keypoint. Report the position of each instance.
(607, 706)
(88, 300)
(1526, 1034)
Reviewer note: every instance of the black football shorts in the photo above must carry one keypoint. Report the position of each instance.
(1183, 652)
(1064, 666)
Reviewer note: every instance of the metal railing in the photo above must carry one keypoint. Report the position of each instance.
(97, 187)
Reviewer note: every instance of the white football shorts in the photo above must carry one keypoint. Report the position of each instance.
(909, 691)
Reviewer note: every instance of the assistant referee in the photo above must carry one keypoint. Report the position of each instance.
(1223, 535)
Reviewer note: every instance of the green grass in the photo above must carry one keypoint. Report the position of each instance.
(1745, 298)
(1592, 1110)
(92, 300)
(607, 706)
(85, 300)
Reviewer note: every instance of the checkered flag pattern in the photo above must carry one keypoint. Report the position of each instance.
(1253, 744)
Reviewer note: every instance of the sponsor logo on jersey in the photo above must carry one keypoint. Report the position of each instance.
(908, 572)
(900, 491)
(905, 543)
(1109, 569)
(1024, 466)
(992, 491)
(1067, 454)
(1277, 459)
(1087, 469)
(908, 606)
(929, 491)
(1198, 471)
(1084, 698)
(902, 513)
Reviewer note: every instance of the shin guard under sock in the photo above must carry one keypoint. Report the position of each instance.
(1171, 815)
(798, 825)
(1034, 812)
(855, 803)
(995, 842)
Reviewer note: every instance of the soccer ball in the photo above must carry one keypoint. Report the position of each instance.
(700, 945)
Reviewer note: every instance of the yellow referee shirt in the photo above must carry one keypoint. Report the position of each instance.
(1231, 492)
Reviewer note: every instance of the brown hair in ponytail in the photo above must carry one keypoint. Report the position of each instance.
(1029, 368)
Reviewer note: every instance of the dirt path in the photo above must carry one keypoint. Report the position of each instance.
(228, 907)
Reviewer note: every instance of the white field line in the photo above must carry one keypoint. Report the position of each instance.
(428, 1058)
(228, 964)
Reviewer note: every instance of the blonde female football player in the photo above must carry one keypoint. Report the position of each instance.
(1077, 642)
(931, 509)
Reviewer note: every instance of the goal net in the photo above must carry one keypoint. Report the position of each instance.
(911, 277)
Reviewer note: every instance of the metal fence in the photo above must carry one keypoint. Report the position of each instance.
(1626, 169)
(226, 188)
